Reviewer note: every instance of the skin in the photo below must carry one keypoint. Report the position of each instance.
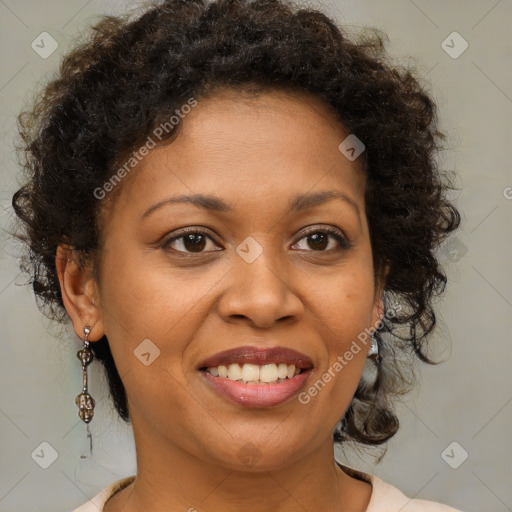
(257, 154)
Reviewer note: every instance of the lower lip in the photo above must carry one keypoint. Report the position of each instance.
(257, 395)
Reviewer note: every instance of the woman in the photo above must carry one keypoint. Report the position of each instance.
(238, 208)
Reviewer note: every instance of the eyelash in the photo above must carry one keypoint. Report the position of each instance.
(335, 233)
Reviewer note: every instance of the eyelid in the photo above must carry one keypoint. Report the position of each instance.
(337, 233)
(185, 231)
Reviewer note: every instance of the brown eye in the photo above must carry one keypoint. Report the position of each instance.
(318, 239)
(193, 241)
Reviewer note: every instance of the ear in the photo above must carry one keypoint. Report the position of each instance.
(79, 293)
(378, 305)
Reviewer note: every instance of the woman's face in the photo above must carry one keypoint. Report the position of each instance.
(253, 276)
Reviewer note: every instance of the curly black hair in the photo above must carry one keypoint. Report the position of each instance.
(133, 72)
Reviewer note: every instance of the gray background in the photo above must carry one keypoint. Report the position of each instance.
(466, 400)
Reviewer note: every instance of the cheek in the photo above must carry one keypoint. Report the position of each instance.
(345, 304)
(152, 302)
(344, 310)
(151, 315)
(351, 320)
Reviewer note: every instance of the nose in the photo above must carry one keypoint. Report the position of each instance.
(259, 293)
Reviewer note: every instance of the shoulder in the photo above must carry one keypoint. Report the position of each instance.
(387, 498)
(96, 503)
(384, 498)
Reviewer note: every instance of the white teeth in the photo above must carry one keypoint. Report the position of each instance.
(254, 373)
(250, 372)
(282, 371)
(268, 373)
(234, 372)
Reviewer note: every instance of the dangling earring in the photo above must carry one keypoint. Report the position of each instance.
(373, 352)
(85, 401)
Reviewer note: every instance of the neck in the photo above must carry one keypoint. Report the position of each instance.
(173, 479)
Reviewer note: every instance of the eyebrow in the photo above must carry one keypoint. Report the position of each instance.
(299, 203)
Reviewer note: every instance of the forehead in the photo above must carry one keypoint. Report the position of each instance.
(246, 146)
(280, 121)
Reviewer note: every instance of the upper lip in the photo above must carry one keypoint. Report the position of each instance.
(258, 355)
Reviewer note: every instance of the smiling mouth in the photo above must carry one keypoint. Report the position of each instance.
(257, 377)
(255, 374)
(258, 393)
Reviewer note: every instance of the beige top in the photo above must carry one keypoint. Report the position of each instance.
(384, 498)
